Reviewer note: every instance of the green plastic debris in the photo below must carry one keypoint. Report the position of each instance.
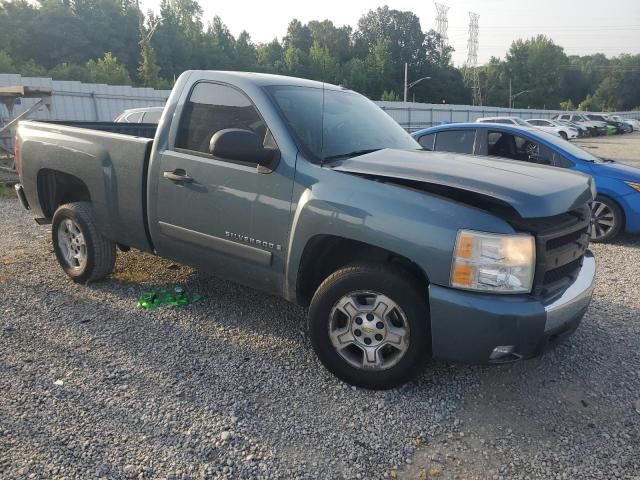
(176, 298)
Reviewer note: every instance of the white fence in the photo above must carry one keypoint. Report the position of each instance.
(91, 102)
(415, 116)
(99, 102)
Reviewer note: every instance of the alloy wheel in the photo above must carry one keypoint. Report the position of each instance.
(369, 330)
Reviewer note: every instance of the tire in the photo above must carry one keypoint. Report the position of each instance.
(564, 135)
(82, 251)
(607, 219)
(393, 317)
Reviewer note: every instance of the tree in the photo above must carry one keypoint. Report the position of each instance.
(107, 70)
(6, 63)
(298, 36)
(246, 55)
(390, 96)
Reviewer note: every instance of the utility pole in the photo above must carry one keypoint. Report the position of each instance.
(510, 97)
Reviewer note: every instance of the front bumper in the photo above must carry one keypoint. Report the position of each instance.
(467, 327)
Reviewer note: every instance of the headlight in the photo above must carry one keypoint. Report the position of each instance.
(493, 262)
(635, 186)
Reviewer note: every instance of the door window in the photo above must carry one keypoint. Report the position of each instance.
(456, 141)
(134, 117)
(213, 107)
(426, 141)
(517, 147)
(152, 116)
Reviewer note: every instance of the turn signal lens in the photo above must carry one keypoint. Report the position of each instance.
(635, 186)
(493, 262)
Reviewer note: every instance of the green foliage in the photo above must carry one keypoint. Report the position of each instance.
(388, 96)
(107, 70)
(112, 41)
(6, 63)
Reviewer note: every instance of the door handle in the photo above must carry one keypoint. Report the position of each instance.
(178, 175)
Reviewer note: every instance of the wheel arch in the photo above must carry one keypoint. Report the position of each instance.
(56, 188)
(324, 254)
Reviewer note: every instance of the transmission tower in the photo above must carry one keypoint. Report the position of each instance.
(471, 65)
(442, 24)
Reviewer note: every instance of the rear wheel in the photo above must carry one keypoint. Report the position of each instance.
(369, 326)
(82, 251)
(606, 219)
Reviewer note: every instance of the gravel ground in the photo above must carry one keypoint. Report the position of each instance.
(624, 148)
(91, 386)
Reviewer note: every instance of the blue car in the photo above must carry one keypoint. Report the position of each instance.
(616, 209)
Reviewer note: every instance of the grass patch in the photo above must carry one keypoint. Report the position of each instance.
(7, 192)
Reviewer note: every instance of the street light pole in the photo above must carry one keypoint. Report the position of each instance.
(406, 67)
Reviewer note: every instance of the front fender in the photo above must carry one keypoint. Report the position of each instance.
(419, 226)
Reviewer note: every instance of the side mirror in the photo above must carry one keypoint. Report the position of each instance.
(241, 145)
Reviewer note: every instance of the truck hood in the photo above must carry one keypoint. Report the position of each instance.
(532, 190)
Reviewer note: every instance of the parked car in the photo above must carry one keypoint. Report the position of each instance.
(597, 128)
(617, 205)
(628, 126)
(634, 123)
(583, 130)
(140, 115)
(549, 126)
(618, 127)
(311, 192)
(504, 120)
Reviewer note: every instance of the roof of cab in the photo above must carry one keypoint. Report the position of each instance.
(265, 79)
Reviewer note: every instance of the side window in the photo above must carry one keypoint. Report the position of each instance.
(134, 117)
(562, 161)
(426, 141)
(537, 123)
(516, 147)
(564, 117)
(213, 107)
(152, 117)
(456, 141)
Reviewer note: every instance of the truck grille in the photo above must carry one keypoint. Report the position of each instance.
(560, 246)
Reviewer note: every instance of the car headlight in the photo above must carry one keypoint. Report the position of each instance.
(634, 185)
(491, 262)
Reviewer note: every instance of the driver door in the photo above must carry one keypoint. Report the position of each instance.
(227, 217)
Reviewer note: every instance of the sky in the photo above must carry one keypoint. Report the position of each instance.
(582, 27)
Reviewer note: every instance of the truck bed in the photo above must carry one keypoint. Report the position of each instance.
(109, 160)
(146, 130)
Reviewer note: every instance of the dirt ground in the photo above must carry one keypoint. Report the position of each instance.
(624, 148)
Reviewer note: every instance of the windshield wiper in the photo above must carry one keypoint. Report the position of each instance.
(350, 154)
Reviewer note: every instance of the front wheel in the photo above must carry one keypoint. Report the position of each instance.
(606, 220)
(564, 135)
(369, 326)
(82, 251)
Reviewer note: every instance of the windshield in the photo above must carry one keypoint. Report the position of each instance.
(352, 124)
(568, 147)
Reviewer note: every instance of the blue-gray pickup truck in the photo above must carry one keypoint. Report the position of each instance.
(309, 191)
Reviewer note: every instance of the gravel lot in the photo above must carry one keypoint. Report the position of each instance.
(91, 386)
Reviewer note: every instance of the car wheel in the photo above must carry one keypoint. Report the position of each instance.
(606, 219)
(369, 325)
(564, 135)
(83, 252)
